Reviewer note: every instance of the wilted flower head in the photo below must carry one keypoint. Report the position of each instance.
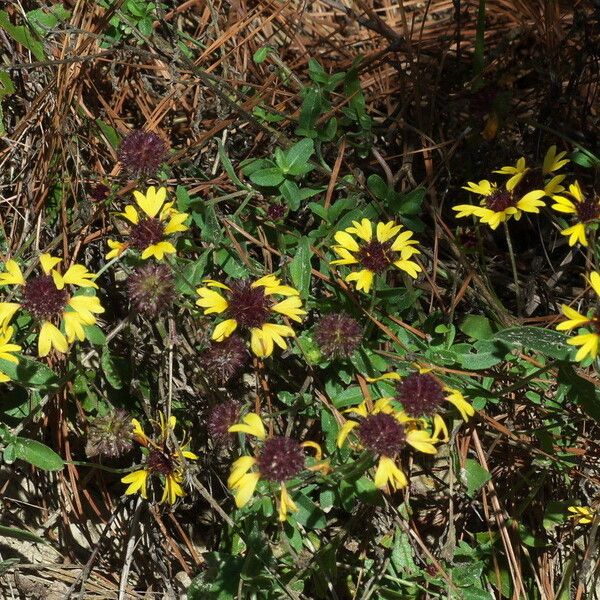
(109, 435)
(223, 361)
(338, 335)
(150, 289)
(100, 192)
(142, 152)
(221, 417)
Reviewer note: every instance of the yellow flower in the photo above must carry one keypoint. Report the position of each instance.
(587, 211)
(589, 341)
(498, 205)
(385, 432)
(152, 221)
(356, 245)
(251, 305)
(60, 315)
(582, 515)
(278, 460)
(164, 460)
(6, 350)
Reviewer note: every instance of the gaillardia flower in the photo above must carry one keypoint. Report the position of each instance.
(165, 459)
(6, 350)
(587, 210)
(47, 298)
(582, 515)
(278, 460)
(390, 246)
(142, 153)
(250, 306)
(498, 204)
(338, 335)
(524, 179)
(151, 223)
(385, 432)
(589, 340)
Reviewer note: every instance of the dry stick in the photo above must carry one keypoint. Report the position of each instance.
(130, 548)
(513, 563)
(590, 551)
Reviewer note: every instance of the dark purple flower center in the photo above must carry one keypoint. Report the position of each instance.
(281, 458)
(222, 417)
(382, 434)
(276, 212)
(533, 179)
(42, 299)
(160, 462)
(248, 305)
(224, 360)
(588, 210)
(420, 394)
(376, 256)
(500, 200)
(146, 233)
(338, 335)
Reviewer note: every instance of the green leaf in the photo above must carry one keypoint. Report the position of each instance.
(110, 369)
(585, 158)
(261, 54)
(298, 155)
(402, 554)
(546, 341)
(270, 177)
(37, 454)
(110, 133)
(5, 565)
(579, 391)
(94, 335)
(20, 534)
(477, 327)
(309, 515)
(30, 373)
(224, 158)
(22, 35)
(190, 277)
(300, 267)
(474, 476)
(309, 113)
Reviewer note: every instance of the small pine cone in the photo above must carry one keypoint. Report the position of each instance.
(224, 361)
(221, 418)
(150, 289)
(110, 436)
(142, 152)
(338, 335)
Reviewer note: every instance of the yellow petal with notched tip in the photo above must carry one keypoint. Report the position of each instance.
(408, 266)
(439, 426)
(386, 231)
(138, 482)
(290, 307)
(73, 327)
(389, 472)
(262, 340)
(48, 262)
(223, 330)
(130, 214)
(13, 274)
(175, 224)
(117, 248)
(211, 301)
(363, 230)
(7, 312)
(345, 240)
(78, 275)
(595, 281)
(172, 489)
(563, 205)
(363, 278)
(576, 234)
(345, 429)
(158, 250)
(252, 425)
(286, 504)
(244, 488)
(151, 202)
(456, 398)
(51, 337)
(574, 319)
(346, 257)
(239, 468)
(588, 343)
(420, 440)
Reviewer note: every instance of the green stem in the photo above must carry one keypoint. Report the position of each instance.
(513, 264)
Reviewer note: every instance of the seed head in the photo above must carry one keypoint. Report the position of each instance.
(42, 299)
(160, 462)
(146, 233)
(281, 458)
(381, 434)
(221, 418)
(338, 335)
(420, 394)
(588, 210)
(150, 289)
(109, 436)
(224, 361)
(142, 152)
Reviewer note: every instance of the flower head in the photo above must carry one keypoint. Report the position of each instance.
(224, 361)
(588, 341)
(109, 435)
(142, 152)
(338, 335)
(251, 306)
(49, 299)
(385, 432)
(498, 204)
(152, 224)
(356, 245)
(7, 349)
(164, 458)
(582, 515)
(150, 289)
(278, 459)
(585, 209)
(221, 417)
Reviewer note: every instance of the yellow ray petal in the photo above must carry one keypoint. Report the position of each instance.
(13, 274)
(51, 337)
(224, 329)
(252, 425)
